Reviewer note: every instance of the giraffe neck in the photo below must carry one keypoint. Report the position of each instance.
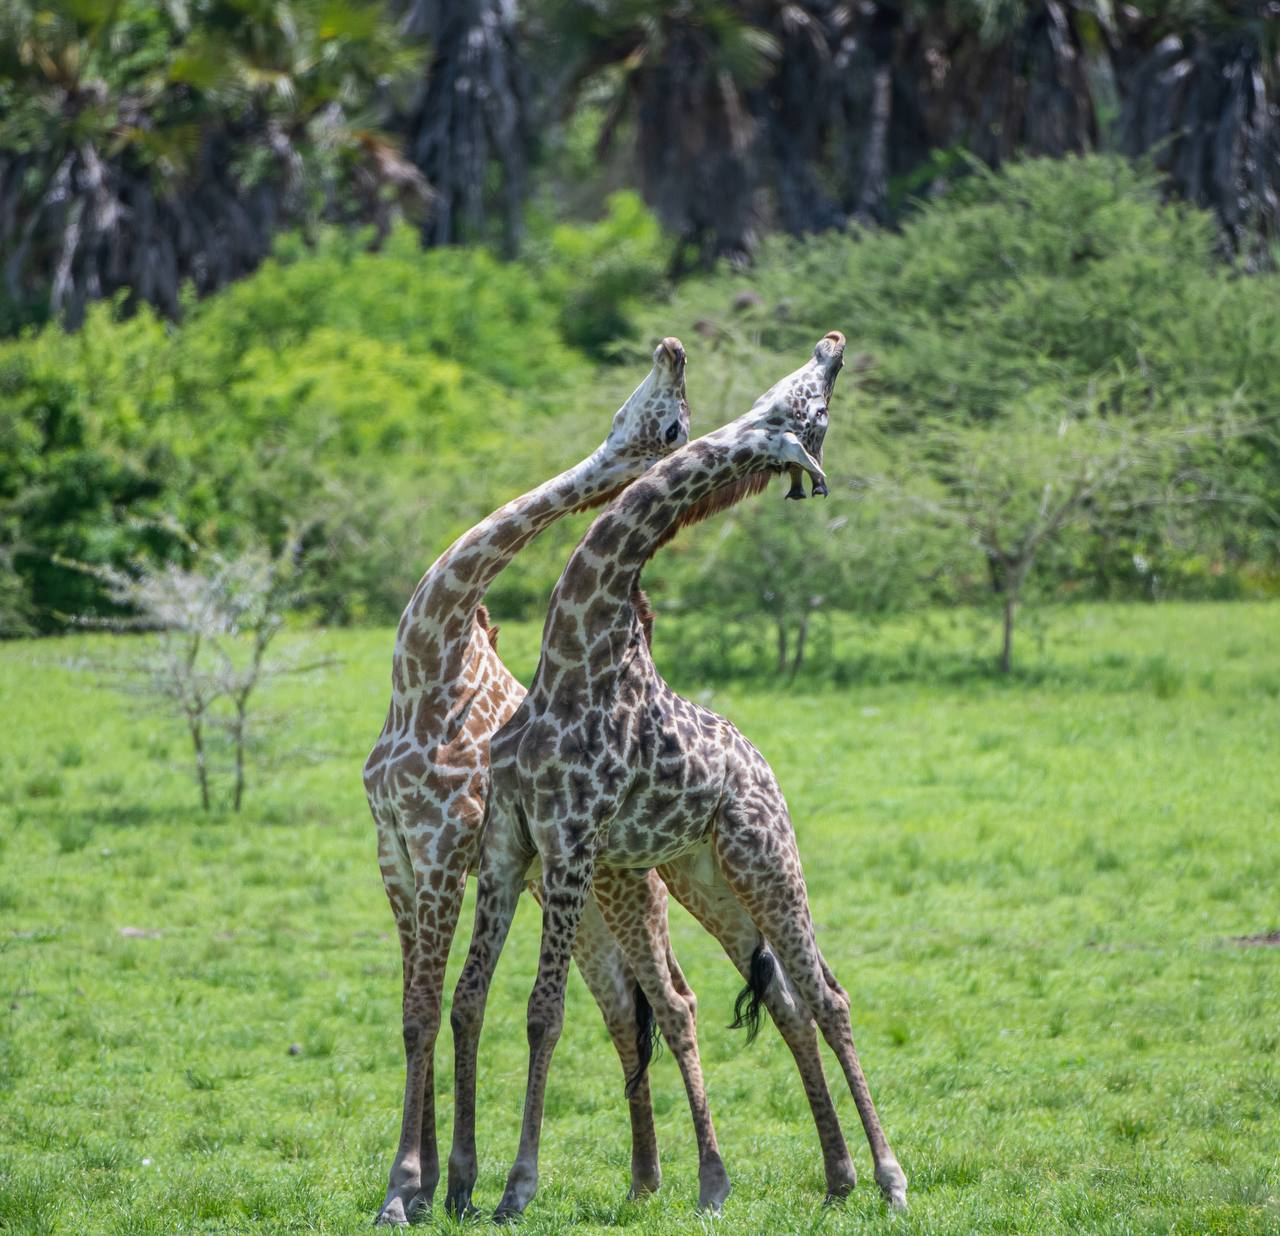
(439, 621)
(591, 617)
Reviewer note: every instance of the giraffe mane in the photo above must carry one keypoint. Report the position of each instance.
(487, 626)
(716, 501)
(644, 612)
(599, 500)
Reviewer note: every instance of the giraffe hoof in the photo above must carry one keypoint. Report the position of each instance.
(820, 489)
(398, 1212)
(796, 491)
(713, 1187)
(893, 1184)
(457, 1203)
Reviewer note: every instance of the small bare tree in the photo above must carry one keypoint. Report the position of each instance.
(1016, 486)
(214, 623)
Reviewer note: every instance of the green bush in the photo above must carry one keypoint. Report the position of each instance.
(603, 272)
(386, 400)
(1048, 285)
(371, 397)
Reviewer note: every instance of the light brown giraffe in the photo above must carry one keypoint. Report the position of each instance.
(427, 776)
(604, 773)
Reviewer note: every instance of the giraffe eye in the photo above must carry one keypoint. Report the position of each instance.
(673, 431)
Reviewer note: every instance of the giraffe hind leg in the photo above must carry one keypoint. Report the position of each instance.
(700, 887)
(634, 905)
(756, 847)
(629, 1019)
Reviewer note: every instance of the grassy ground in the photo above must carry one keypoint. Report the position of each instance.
(1030, 888)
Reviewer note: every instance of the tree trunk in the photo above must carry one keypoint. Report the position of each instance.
(801, 636)
(872, 204)
(782, 645)
(202, 770)
(1006, 649)
(239, 741)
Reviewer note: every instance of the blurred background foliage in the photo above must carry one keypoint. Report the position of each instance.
(360, 271)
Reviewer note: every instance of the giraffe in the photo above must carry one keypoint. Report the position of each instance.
(604, 773)
(427, 776)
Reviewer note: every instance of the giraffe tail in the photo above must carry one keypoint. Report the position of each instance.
(746, 1008)
(648, 1039)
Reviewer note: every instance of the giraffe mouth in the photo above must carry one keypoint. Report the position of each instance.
(818, 485)
(796, 461)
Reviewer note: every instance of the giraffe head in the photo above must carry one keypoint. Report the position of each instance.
(655, 420)
(788, 422)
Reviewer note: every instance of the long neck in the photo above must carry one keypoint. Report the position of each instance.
(591, 615)
(441, 613)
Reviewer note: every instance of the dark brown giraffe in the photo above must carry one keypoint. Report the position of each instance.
(605, 773)
(427, 777)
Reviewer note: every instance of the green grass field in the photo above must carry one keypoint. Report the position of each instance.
(1032, 890)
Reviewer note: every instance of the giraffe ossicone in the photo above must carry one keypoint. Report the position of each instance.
(604, 773)
(427, 776)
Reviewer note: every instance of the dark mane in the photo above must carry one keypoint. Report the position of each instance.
(599, 500)
(644, 612)
(482, 618)
(716, 501)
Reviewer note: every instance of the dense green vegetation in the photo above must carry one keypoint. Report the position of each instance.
(369, 399)
(1032, 887)
(374, 402)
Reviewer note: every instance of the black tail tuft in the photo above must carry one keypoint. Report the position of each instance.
(746, 1008)
(648, 1039)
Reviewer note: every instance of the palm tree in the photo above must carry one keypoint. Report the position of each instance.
(876, 95)
(680, 77)
(143, 150)
(809, 114)
(471, 115)
(1201, 96)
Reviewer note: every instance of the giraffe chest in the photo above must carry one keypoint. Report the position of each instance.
(669, 809)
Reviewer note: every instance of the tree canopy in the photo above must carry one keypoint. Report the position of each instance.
(145, 147)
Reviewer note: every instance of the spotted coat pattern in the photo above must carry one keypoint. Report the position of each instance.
(604, 774)
(427, 777)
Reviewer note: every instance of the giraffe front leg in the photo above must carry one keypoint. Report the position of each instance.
(415, 1170)
(566, 881)
(500, 880)
(634, 905)
(404, 1184)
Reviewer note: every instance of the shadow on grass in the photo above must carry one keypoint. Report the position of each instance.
(100, 815)
(747, 666)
